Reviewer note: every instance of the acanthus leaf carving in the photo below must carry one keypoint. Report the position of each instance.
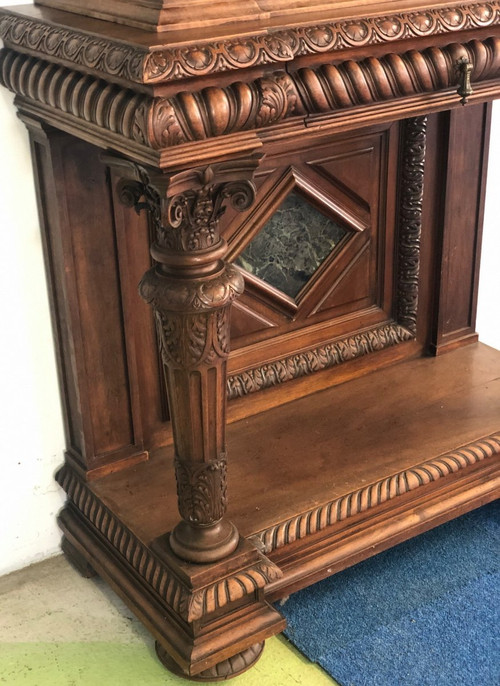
(202, 491)
(317, 359)
(186, 221)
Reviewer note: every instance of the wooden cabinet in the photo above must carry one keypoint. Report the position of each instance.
(298, 192)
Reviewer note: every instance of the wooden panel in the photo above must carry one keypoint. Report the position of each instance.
(462, 226)
(80, 244)
(353, 180)
(133, 237)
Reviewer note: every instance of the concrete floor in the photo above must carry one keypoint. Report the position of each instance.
(59, 629)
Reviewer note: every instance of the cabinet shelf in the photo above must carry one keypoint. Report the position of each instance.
(339, 459)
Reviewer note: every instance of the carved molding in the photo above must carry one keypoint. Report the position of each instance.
(220, 594)
(190, 606)
(75, 94)
(160, 123)
(140, 65)
(164, 293)
(375, 494)
(101, 55)
(318, 359)
(123, 540)
(284, 46)
(410, 221)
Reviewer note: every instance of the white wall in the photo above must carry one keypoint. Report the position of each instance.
(488, 311)
(31, 434)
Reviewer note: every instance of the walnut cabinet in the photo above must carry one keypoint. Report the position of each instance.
(262, 226)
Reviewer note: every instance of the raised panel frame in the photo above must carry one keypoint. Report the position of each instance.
(303, 354)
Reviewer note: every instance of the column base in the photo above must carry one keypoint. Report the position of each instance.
(204, 545)
(227, 669)
(212, 619)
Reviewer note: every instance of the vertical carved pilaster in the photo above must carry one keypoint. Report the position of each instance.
(191, 289)
(410, 221)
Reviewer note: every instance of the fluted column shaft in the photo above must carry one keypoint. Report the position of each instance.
(191, 289)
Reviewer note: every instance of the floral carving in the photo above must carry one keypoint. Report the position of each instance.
(303, 364)
(140, 65)
(410, 229)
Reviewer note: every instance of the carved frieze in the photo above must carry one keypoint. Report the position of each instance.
(101, 55)
(316, 360)
(109, 57)
(410, 221)
(284, 46)
(161, 122)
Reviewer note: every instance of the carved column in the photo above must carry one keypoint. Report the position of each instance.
(191, 289)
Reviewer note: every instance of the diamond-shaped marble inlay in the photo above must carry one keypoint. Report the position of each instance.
(292, 245)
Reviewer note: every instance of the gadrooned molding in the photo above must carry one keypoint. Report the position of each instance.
(160, 123)
(375, 494)
(190, 606)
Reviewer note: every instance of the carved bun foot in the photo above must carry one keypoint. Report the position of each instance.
(204, 544)
(227, 669)
(76, 559)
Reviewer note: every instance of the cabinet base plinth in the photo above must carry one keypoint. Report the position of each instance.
(77, 560)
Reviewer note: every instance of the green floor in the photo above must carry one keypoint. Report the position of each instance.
(58, 629)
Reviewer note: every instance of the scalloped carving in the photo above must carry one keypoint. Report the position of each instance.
(112, 58)
(105, 56)
(375, 494)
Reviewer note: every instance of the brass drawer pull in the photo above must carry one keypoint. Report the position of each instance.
(464, 68)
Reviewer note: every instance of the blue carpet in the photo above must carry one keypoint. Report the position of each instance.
(425, 613)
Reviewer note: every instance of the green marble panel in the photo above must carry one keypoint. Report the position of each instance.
(292, 245)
